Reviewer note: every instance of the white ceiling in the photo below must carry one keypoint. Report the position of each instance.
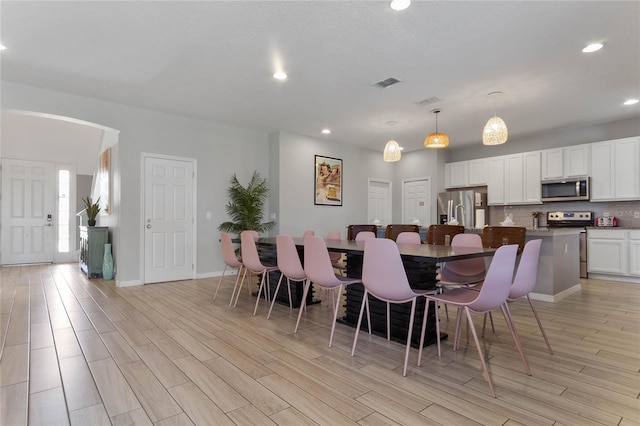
(214, 60)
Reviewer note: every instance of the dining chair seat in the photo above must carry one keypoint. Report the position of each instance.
(384, 278)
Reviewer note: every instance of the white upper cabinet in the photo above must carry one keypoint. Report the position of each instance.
(571, 161)
(461, 174)
(478, 172)
(514, 179)
(615, 170)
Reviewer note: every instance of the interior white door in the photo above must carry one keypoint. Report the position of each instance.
(169, 220)
(27, 212)
(416, 202)
(379, 201)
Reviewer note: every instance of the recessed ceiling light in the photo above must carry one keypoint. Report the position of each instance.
(280, 75)
(3, 47)
(631, 101)
(593, 47)
(399, 4)
(326, 131)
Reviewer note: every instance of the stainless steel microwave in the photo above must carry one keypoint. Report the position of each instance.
(570, 189)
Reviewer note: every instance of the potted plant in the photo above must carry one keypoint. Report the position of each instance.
(92, 209)
(245, 206)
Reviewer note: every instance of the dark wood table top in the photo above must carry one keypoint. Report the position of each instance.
(422, 252)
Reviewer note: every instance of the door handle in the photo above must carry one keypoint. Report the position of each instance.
(49, 224)
(148, 226)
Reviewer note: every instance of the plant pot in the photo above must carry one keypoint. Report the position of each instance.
(91, 222)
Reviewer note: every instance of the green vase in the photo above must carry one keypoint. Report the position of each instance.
(107, 263)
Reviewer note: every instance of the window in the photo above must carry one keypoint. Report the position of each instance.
(64, 187)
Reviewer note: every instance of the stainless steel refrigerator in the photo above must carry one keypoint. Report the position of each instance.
(468, 207)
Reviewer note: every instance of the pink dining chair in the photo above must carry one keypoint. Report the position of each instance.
(319, 271)
(492, 295)
(462, 273)
(289, 266)
(230, 261)
(384, 278)
(308, 234)
(408, 238)
(364, 235)
(252, 262)
(525, 281)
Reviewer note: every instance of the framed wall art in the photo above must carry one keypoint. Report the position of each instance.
(328, 181)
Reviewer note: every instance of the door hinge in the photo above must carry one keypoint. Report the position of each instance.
(193, 266)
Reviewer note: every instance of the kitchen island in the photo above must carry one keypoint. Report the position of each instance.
(559, 267)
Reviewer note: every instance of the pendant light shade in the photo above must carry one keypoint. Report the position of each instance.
(495, 131)
(392, 152)
(436, 140)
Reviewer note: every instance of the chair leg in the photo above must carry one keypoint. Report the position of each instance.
(406, 353)
(480, 354)
(388, 322)
(512, 328)
(302, 304)
(276, 295)
(423, 331)
(456, 339)
(220, 282)
(435, 305)
(535, 314)
(335, 315)
(289, 291)
(264, 274)
(355, 338)
(244, 274)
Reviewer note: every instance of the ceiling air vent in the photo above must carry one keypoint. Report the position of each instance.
(428, 101)
(386, 82)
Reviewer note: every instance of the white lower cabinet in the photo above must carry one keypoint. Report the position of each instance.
(633, 243)
(613, 251)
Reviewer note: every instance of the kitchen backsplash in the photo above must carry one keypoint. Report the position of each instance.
(626, 212)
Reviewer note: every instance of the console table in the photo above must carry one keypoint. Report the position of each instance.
(92, 241)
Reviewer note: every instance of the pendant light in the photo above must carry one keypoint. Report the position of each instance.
(392, 152)
(436, 140)
(495, 131)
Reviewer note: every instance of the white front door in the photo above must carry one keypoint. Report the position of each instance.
(416, 201)
(168, 219)
(379, 201)
(27, 212)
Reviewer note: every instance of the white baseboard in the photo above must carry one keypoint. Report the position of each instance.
(556, 297)
(215, 274)
(130, 283)
(618, 278)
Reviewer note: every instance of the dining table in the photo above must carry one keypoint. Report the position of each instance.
(421, 264)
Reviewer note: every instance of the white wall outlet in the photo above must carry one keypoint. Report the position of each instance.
(208, 215)
(566, 248)
(636, 214)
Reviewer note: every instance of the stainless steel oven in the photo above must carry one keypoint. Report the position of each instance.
(573, 219)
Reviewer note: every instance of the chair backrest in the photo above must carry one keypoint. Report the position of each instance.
(436, 233)
(354, 230)
(308, 233)
(527, 273)
(495, 290)
(383, 272)
(408, 238)
(288, 258)
(250, 257)
(496, 236)
(466, 270)
(317, 264)
(254, 234)
(334, 235)
(365, 235)
(228, 252)
(393, 230)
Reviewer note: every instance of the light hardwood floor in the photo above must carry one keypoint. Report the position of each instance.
(82, 352)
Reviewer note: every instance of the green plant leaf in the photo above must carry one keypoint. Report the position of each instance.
(245, 206)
